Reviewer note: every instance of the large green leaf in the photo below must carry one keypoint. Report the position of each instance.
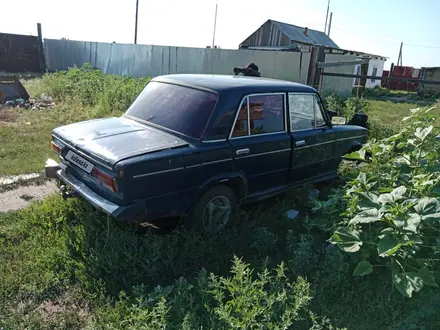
(422, 133)
(368, 200)
(387, 245)
(394, 137)
(427, 277)
(436, 191)
(362, 178)
(407, 283)
(347, 239)
(428, 208)
(393, 196)
(356, 155)
(401, 145)
(412, 222)
(363, 268)
(402, 160)
(366, 216)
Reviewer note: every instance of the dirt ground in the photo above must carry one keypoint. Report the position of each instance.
(22, 196)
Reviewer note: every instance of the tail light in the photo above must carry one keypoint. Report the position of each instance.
(106, 180)
(55, 147)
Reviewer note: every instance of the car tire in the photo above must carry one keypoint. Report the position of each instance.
(214, 210)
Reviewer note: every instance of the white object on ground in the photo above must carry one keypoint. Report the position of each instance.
(292, 214)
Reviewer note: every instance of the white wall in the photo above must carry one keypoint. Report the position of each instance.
(374, 64)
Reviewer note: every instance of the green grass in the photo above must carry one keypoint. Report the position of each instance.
(80, 94)
(63, 266)
(390, 113)
(25, 138)
(68, 267)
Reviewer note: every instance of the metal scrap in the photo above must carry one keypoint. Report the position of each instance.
(11, 89)
(43, 102)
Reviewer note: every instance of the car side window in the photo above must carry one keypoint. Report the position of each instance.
(301, 111)
(319, 118)
(241, 124)
(265, 114)
(305, 112)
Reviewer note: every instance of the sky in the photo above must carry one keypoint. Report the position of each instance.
(372, 26)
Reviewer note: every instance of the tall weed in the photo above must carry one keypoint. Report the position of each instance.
(90, 87)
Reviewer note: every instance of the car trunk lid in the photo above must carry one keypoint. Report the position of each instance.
(111, 140)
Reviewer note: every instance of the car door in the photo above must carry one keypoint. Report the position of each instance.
(313, 138)
(261, 144)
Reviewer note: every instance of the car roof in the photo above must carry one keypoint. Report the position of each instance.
(222, 83)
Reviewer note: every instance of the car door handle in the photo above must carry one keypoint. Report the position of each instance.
(300, 143)
(240, 152)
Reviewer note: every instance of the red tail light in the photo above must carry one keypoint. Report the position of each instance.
(54, 147)
(105, 179)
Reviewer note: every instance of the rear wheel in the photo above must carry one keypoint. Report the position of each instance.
(214, 210)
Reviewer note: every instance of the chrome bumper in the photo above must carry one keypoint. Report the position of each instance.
(133, 211)
(89, 195)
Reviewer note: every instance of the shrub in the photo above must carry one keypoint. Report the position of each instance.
(268, 300)
(89, 86)
(348, 107)
(379, 130)
(391, 210)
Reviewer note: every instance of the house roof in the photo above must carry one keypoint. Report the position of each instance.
(296, 33)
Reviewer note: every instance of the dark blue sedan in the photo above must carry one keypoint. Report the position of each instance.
(196, 146)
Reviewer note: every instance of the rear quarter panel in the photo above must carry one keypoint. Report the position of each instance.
(170, 181)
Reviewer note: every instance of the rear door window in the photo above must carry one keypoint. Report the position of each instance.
(260, 114)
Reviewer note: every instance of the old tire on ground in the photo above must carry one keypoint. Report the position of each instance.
(213, 210)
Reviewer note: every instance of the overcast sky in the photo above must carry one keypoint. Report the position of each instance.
(373, 26)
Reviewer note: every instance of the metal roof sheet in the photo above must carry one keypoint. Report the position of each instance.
(296, 33)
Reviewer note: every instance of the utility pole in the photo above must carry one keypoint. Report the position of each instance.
(399, 59)
(41, 49)
(136, 23)
(326, 16)
(215, 25)
(330, 24)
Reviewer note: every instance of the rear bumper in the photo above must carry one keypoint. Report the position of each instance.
(133, 212)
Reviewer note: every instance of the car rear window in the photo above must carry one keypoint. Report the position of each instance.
(182, 109)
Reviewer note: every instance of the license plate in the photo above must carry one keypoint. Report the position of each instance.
(79, 161)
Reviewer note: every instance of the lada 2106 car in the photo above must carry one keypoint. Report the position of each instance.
(196, 146)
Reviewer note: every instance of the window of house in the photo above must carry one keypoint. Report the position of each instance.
(260, 114)
(305, 112)
(374, 74)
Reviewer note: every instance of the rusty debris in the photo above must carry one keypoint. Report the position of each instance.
(14, 95)
(11, 89)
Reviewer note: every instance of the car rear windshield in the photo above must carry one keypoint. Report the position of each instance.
(182, 109)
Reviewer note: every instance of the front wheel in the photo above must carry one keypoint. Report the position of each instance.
(214, 210)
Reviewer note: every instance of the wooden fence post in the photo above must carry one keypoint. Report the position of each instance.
(363, 80)
(317, 55)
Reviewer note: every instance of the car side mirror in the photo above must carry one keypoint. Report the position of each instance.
(332, 114)
(335, 119)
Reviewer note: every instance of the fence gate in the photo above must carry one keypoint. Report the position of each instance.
(19, 53)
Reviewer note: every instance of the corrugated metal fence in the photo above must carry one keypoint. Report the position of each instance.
(150, 61)
(146, 60)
